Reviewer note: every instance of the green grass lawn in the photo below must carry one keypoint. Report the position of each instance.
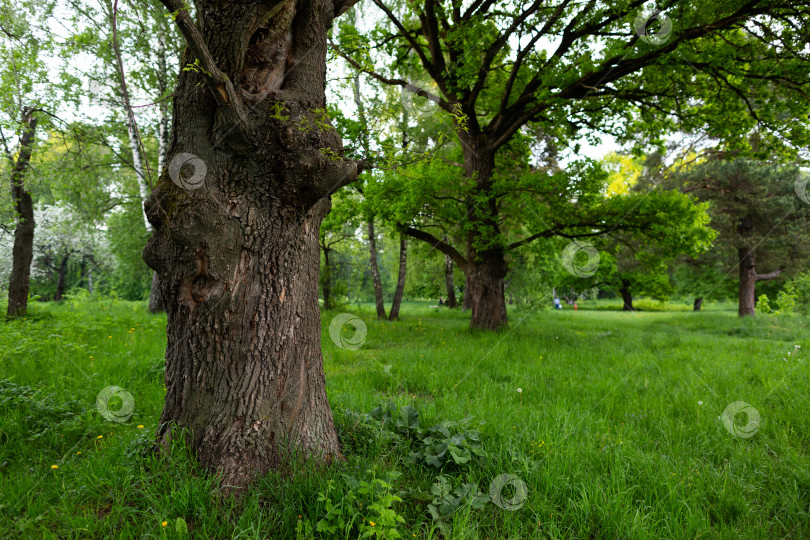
(615, 434)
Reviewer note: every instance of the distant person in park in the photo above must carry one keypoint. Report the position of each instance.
(557, 304)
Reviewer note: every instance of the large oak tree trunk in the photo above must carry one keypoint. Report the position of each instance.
(403, 267)
(237, 251)
(379, 301)
(23, 250)
(487, 264)
(485, 289)
(448, 282)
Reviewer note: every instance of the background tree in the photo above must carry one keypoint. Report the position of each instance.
(634, 259)
(490, 72)
(119, 37)
(758, 216)
(23, 44)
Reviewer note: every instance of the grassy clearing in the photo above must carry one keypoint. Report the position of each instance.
(607, 434)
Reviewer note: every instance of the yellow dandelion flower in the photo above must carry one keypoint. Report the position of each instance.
(164, 523)
(140, 427)
(54, 466)
(100, 437)
(78, 453)
(372, 523)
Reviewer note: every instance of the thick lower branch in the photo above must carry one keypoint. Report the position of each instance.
(444, 247)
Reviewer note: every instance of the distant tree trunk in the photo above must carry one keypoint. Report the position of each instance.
(403, 266)
(155, 301)
(627, 296)
(698, 304)
(137, 164)
(163, 106)
(90, 278)
(327, 279)
(466, 304)
(375, 271)
(23, 250)
(448, 281)
(748, 281)
(235, 240)
(61, 271)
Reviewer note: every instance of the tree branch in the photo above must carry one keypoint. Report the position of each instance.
(769, 275)
(219, 84)
(444, 247)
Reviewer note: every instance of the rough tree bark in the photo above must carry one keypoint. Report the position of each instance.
(627, 296)
(448, 282)
(403, 267)
(698, 304)
(748, 281)
(23, 249)
(485, 289)
(379, 302)
(487, 264)
(236, 250)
